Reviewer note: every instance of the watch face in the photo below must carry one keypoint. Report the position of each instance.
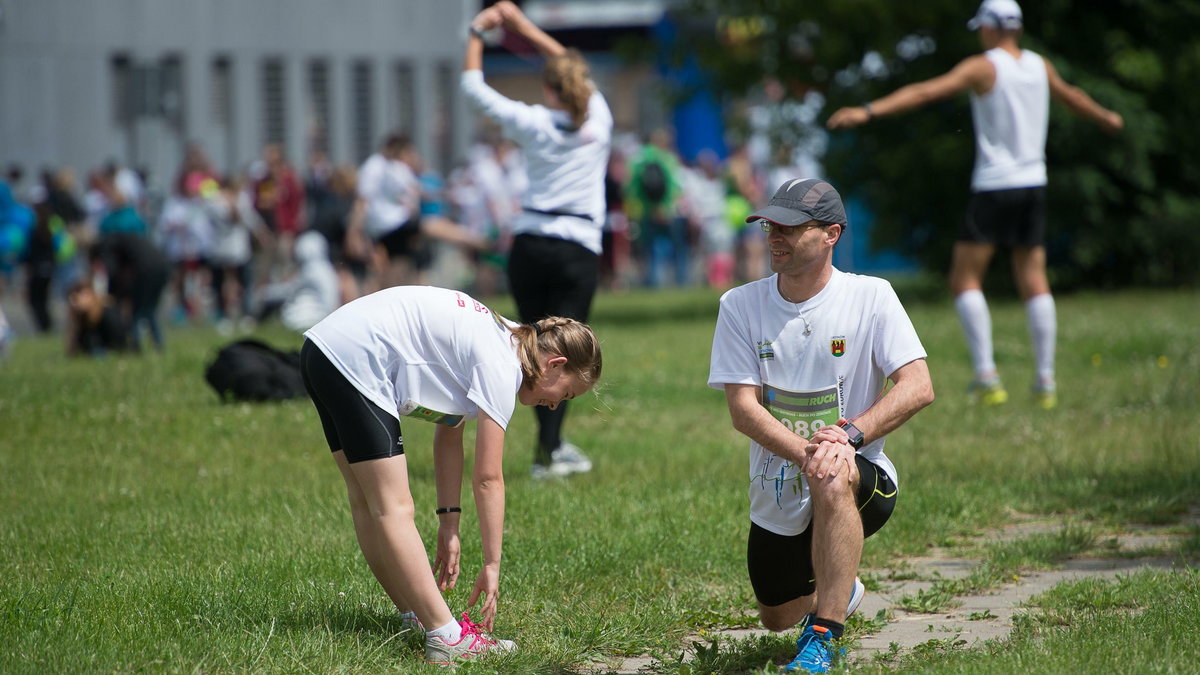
(855, 434)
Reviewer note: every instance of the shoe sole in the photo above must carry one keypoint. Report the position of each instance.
(856, 597)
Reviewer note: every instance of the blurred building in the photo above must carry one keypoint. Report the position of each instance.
(83, 82)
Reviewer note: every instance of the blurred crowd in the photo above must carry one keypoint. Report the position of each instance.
(113, 255)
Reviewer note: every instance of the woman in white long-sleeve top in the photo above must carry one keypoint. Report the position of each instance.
(553, 267)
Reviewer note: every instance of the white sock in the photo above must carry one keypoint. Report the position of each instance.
(1043, 328)
(451, 632)
(976, 321)
(409, 616)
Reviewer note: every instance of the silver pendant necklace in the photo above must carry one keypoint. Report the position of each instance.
(807, 325)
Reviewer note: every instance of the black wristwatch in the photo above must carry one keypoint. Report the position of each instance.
(856, 435)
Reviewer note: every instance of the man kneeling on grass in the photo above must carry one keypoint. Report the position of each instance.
(803, 357)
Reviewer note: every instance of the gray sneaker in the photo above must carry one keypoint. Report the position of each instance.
(473, 644)
(570, 458)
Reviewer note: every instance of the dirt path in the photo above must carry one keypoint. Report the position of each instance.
(910, 629)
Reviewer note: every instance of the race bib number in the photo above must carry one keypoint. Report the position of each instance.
(412, 409)
(804, 412)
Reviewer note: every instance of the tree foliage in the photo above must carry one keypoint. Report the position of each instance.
(1122, 210)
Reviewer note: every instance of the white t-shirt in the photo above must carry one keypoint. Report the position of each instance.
(565, 167)
(424, 352)
(392, 194)
(1010, 124)
(816, 361)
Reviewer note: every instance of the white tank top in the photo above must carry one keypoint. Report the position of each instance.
(1010, 124)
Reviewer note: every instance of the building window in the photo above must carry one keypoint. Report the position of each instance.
(445, 86)
(222, 91)
(319, 105)
(122, 88)
(405, 82)
(274, 118)
(362, 100)
(171, 91)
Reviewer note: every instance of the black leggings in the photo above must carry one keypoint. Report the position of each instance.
(781, 567)
(352, 423)
(551, 277)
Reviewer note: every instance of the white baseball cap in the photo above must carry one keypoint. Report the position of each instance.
(1004, 14)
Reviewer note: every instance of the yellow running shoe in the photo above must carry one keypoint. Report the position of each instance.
(989, 393)
(1045, 397)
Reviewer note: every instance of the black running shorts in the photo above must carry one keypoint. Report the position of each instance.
(404, 241)
(1009, 218)
(781, 568)
(352, 423)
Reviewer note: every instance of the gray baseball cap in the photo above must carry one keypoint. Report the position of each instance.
(803, 199)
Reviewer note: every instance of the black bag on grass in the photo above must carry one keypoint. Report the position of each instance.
(249, 370)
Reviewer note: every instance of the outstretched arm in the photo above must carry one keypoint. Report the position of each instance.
(488, 485)
(1081, 104)
(483, 21)
(516, 21)
(447, 471)
(975, 73)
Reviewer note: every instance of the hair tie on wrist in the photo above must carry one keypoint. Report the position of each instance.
(870, 113)
(448, 509)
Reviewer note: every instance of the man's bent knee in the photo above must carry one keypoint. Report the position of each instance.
(784, 617)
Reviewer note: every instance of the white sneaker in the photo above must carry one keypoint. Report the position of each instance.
(473, 644)
(570, 458)
(546, 472)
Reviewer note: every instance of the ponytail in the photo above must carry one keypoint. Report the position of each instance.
(568, 77)
(564, 337)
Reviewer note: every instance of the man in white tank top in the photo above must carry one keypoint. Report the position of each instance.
(1010, 90)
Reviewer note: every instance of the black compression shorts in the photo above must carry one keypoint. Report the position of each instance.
(1009, 218)
(781, 568)
(352, 423)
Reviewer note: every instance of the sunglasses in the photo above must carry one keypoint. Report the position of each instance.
(787, 230)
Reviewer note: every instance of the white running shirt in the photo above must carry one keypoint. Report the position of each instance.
(857, 334)
(566, 168)
(1010, 124)
(414, 349)
(392, 193)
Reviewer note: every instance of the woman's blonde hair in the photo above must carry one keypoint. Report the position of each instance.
(564, 337)
(568, 77)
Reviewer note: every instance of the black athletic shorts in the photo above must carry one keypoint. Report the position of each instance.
(781, 567)
(352, 423)
(1010, 218)
(404, 241)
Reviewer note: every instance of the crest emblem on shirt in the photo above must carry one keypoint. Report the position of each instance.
(837, 346)
(765, 350)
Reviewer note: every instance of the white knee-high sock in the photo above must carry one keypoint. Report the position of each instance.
(1043, 329)
(972, 310)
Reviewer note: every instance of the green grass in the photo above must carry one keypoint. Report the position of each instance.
(144, 526)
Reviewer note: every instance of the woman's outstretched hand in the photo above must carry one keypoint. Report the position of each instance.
(487, 584)
(445, 564)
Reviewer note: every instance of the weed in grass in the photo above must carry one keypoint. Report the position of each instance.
(982, 615)
(927, 601)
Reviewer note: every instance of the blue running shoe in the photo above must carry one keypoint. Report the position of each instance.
(814, 652)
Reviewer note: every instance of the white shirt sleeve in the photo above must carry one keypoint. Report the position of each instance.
(515, 118)
(734, 355)
(896, 343)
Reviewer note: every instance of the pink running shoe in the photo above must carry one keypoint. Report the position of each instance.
(473, 644)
